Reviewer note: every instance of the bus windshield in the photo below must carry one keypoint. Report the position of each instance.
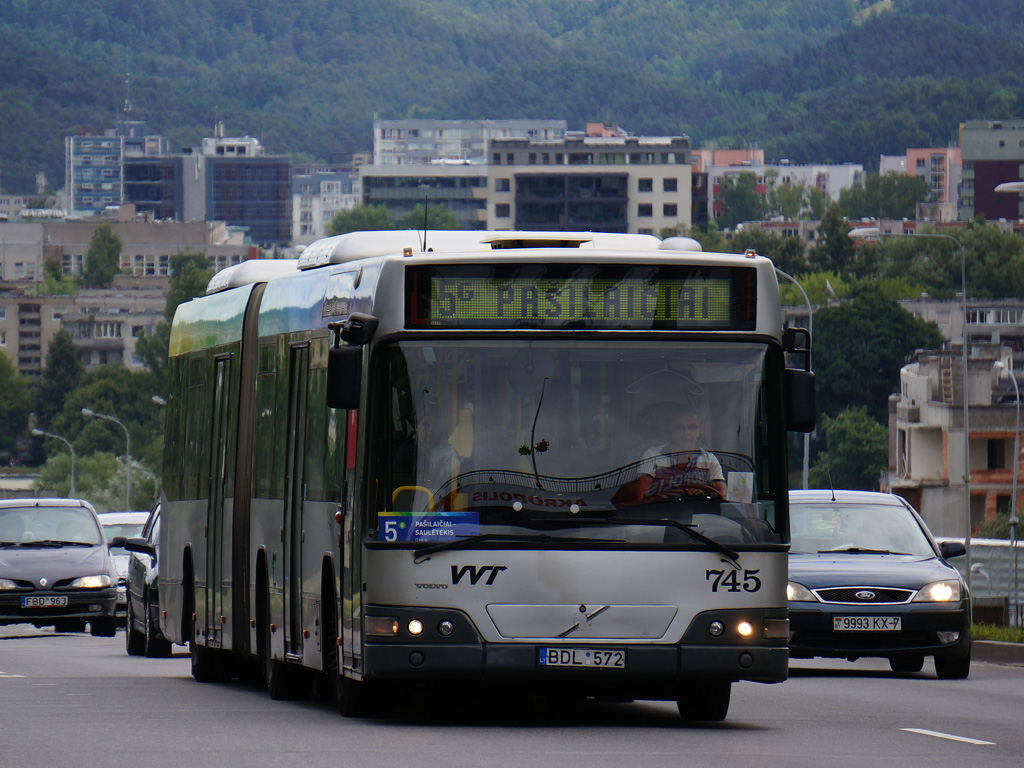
(623, 442)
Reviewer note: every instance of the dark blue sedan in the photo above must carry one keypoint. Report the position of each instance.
(866, 578)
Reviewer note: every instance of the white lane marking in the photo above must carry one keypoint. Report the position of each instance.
(4, 674)
(949, 736)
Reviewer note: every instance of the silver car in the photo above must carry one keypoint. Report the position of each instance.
(55, 566)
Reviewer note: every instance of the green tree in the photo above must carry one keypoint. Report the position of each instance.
(892, 195)
(103, 257)
(834, 250)
(787, 253)
(362, 218)
(438, 217)
(787, 199)
(859, 348)
(15, 402)
(856, 455)
(740, 200)
(815, 204)
(190, 274)
(55, 282)
(61, 374)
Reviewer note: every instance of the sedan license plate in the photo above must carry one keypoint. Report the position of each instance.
(44, 601)
(866, 623)
(581, 657)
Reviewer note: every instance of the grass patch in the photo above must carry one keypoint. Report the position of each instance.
(1001, 634)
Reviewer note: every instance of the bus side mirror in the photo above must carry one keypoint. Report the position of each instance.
(344, 371)
(345, 364)
(800, 406)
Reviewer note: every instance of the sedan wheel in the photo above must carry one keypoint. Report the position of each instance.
(134, 641)
(155, 645)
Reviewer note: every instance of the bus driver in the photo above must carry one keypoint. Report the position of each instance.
(676, 467)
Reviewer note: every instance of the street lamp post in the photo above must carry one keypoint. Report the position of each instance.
(41, 433)
(868, 232)
(810, 331)
(127, 454)
(1000, 370)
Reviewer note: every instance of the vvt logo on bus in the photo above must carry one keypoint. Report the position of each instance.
(476, 573)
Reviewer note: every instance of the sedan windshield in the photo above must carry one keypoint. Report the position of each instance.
(857, 528)
(47, 526)
(620, 442)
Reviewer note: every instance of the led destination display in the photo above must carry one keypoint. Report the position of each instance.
(600, 297)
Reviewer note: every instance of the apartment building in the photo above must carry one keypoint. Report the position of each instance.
(104, 322)
(600, 183)
(992, 152)
(424, 142)
(926, 437)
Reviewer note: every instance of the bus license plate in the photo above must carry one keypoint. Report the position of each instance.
(582, 657)
(44, 601)
(866, 623)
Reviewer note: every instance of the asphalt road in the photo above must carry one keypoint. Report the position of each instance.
(79, 701)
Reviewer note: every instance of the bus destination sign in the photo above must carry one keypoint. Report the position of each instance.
(670, 297)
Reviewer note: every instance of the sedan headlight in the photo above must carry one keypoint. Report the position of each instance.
(91, 582)
(946, 591)
(7, 584)
(798, 593)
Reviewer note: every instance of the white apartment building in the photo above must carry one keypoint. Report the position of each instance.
(422, 142)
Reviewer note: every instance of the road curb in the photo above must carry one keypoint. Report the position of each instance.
(994, 652)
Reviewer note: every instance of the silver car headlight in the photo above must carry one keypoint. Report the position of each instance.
(798, 593)
(91, 582)
(945, 591)
(7, 584)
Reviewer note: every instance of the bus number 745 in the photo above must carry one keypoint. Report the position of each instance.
(731, 580)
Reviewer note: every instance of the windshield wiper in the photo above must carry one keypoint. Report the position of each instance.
(57, 543)
(689, 530)
(861, 551)
(424, 552)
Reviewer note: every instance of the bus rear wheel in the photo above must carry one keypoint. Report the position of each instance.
(708, 701)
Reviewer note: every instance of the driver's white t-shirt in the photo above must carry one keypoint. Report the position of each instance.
(672, 472)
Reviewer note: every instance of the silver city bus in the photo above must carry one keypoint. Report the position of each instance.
(545, 461)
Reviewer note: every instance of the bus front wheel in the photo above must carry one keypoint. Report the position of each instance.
(708, 701)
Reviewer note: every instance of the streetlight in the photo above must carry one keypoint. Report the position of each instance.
(998, 371)
(867, 232)
(127, 454)
(40, 433)
(810, 331)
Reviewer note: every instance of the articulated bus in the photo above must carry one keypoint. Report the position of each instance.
(524, 460)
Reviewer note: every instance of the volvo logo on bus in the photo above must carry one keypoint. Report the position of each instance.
(865, 594)
(476, 573)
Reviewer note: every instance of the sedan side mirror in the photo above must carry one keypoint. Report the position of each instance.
(141, 546)
(950, 549)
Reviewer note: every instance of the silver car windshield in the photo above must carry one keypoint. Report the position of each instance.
(619, 441)
(846, 527)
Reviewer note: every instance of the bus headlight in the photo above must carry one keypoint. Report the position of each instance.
(798, 593)
(946, 591)
(415, 627)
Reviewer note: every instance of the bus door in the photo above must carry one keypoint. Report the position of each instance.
(215, 508)
(294, 494)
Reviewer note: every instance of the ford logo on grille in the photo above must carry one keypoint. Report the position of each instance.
(865, 594)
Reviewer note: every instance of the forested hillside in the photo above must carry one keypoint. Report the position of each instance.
(810, 80)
